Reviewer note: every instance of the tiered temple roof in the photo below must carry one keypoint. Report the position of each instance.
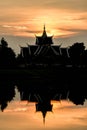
(44, 39)
(44, 49)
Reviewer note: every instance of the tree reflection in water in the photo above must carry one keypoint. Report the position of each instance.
(43, 90)
(7, 92)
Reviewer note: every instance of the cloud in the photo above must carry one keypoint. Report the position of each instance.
(73, 5)
(15, 27)
(76, 17)
(74, 30)
(23, 28)
(34, 32)
(80, 18)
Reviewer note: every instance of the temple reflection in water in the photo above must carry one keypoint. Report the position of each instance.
(40, 94)
(46, 91)
(40, 104)
(63, 115)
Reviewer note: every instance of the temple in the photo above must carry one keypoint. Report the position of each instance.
(44, 51)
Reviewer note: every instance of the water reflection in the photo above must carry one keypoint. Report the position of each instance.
(7, 92)
(20, 115)
(59, 103)
(30, 108)
(35, 90)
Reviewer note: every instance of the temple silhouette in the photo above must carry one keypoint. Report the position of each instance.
(44, 51)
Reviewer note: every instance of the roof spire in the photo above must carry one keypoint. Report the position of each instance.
(44, 116)
(44, 32)
(44, 27)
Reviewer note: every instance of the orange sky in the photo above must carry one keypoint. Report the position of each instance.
(65, 19)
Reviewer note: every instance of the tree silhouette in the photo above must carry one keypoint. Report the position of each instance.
(75, 52)
(7, 92)
(3, 42)
(84, 58)
(7, 55)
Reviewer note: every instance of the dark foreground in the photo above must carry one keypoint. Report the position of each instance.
(48, 82)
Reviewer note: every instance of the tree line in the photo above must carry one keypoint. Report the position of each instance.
(8, 59)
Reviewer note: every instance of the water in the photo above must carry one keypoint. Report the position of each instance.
(36, 100)
(22, 115)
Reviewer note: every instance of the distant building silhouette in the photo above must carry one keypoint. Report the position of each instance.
(43, 51)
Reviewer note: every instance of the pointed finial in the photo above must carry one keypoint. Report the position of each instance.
(44, 32)
(44, 120)
(44, 116)
(44, 27)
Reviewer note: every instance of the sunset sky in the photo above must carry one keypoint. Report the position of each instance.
(21, 20)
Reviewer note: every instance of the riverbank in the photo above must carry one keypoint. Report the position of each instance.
(44, 72)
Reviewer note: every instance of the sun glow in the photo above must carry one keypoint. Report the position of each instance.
(23, 19)
(59, 23)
